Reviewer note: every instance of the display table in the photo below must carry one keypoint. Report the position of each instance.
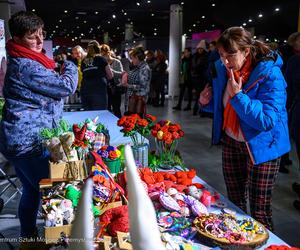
(106, 118)
(117, 138)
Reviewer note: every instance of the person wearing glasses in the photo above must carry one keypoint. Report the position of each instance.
(33, 94)
(248, 97)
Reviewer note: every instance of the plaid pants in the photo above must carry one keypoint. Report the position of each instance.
(243, 178)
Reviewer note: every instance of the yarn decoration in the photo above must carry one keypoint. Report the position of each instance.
(114, 220)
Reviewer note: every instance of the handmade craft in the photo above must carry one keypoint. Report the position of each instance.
(114, 220)
(226, 230)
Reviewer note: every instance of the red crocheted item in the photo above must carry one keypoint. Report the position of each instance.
(115, 220)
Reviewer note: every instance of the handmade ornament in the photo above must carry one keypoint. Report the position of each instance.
(196, 206)
(67, 140)
(114, 220)
(195, 192)
(168, 202)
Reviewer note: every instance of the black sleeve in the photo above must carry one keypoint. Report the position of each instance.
(100, 61)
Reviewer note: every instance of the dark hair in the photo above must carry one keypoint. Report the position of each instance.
(138, 52)
(214, 43)
(189, 49)
(22, 22)
(237, 38)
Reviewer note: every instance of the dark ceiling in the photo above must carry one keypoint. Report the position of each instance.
(91, 18)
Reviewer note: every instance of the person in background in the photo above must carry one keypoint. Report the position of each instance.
(292, 76)
(78, 54)
(138, 83)
(199, 69)
(151, 60)
(186, 79)
(248, 100)
(33, 94)
(95, 74)
(114, 89)
(287, 51)
(159, 79)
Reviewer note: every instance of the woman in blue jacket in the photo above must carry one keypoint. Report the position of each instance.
(248, 100)
(33, 94)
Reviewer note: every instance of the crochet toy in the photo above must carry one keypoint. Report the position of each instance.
(114, 220)
(74, 194)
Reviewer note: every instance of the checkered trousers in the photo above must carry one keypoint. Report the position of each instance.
(242, 178)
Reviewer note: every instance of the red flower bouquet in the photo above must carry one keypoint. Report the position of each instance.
(166, 136)
(135, 126)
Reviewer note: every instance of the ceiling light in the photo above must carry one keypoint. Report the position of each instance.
(212, 25)
(60, 20)
(155, 33)
(250, 20)
(96, 12)
(82, 34)
(108, 22)
(77, 17)
(244, 24)
(275, 40)
(84, 21)
(152, 14)
(285, 41)
(254, 37)
(190, 30)
(72, 39)
(77, 27)
(125, 13)
(138, 4)
(260, 15)
(66, 11)
(194, 25)
(56, 26)
(213, 4)
(182, 3)
(203, 17)
(267, 39)
(277, 9)
(118, 28)
(33, 10)
(155, 29)
(148, 1)
(113, 16)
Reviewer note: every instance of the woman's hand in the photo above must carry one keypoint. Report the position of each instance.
(233, 86)
(124, 79)
(205, 95)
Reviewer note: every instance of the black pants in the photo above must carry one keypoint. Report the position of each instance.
(94, 102)
(114, 102)
(159, 97)
(295, 128)
(189, 88)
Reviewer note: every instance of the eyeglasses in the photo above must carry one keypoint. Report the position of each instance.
(34, 36)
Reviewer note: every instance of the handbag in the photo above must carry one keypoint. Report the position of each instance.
(137, 104)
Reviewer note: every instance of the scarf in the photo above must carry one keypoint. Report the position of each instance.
(231, 120)
(17, 50)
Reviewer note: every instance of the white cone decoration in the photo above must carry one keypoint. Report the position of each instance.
(144, 232)
(82, 235)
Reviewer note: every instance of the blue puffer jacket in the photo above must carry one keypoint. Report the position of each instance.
(260, 107)
(33, 100)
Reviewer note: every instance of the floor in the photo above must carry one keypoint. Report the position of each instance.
(197, 152)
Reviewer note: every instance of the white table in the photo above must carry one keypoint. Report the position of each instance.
(106, 118)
